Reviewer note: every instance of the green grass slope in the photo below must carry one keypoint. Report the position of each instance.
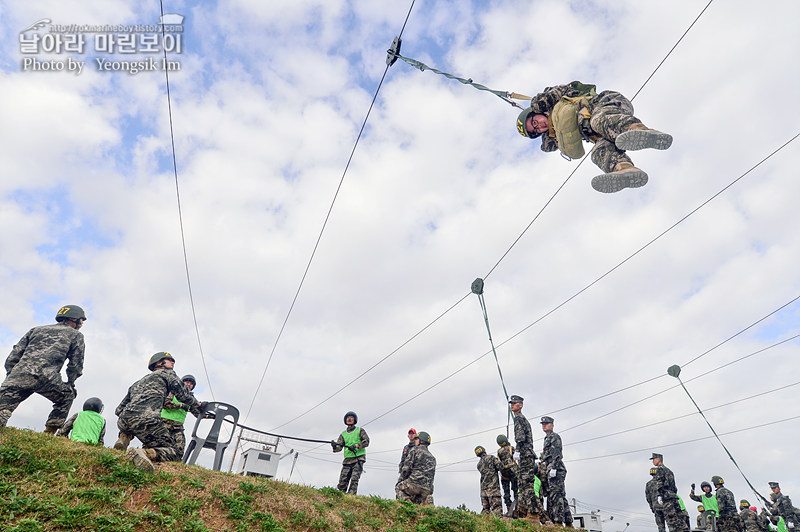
(49, 483)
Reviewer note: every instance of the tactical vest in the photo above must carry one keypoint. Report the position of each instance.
(680, 503)
(564, 120)
(537, 485)
(782, 525)
(178, 415)
(710, 503)
(87, 427)
(352, 439)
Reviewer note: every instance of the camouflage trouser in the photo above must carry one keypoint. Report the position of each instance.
(729, 523)
(175, 429)
(510, 486)
(612, 114)
(660, 521)
(408, 491)
(557, 505)
(153, 434)
(351, 473)
(527, 472)
(18, 386)
(674, 516)
(492, 503)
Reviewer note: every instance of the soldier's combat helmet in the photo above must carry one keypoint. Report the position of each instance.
(502, 439)
(70, 312)
(521, 119)
(425, 438)
(94, 404)
(744, 503)
(479, 450)
(158, 357)
(190, 378)
(351, 413)
(705, 484)
(717, 480)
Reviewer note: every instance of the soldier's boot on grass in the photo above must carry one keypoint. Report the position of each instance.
(122, 443)
(640, 137)
(142, 458)
(50, 430)
(625, 175)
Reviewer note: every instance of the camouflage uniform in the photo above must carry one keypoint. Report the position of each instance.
(176, 428)
(523, 437)
(140, 412)
(353, 466)
(612, 114)
(416, 484)
(552, 457)
(753, 522)
(651, 494)
(728, 520)
(509, 470)
(783, 507)
(489, 466)
(667, 495)
(34, 366)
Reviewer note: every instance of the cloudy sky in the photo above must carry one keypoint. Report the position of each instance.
(267, 104)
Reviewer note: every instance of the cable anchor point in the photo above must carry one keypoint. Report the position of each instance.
(393, 51)
(477, 286)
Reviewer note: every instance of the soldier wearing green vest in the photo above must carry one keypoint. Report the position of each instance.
(354, 441)
(707, 499)
(173, 414)
(566, 115)
(87, 426)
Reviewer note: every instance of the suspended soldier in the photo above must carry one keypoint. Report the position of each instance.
(419, 469)
(173, 414)
(552, 458)
(523, 438)
(489, 468)
(651, 494)
(667, 495)
(354, 441)
(782, 506)
(566, 115)
(728, 520)
(34, 366)
(87, 426)
(509, 470)
(751, 520)
(140, 413)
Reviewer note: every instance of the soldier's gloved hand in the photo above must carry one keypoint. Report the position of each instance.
(790, 524)
(333, 445)
(660, 500)
(186, 407)
(552, 473)
(692, 486)
(203, 405)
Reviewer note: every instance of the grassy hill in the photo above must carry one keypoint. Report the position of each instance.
(49, 483)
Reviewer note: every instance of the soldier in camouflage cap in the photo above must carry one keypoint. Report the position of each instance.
(651, 494)
(667, 495)
(783, 507)
(34, 366)
(419, 468)
(565, 115)
(553, 460)
(523, 438)
(140, 413)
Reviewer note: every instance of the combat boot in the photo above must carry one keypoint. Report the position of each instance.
(141, 458)
(122, 443)
(639, 137)
(50, 430)
(625, 175)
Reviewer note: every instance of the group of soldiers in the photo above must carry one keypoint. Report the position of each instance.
(528, 480)
(153, 410)
(718, 511)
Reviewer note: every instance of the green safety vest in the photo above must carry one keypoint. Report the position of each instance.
(537, 485)
(680, 502)
(710, 503)
(353, 438)
(87, 427)
(178, 415)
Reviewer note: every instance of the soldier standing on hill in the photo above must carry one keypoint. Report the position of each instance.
(651, 494)
(667, 495)
(552, 457)
(783, 507)
(751, 520)
(354, 441)
(509, 470)
(34, 366)
(416, 484)
(413, 441)
(489, 467)
(523, 437)
(729, 520)
(140, 413)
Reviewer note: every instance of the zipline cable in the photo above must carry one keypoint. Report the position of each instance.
(675, 371)
(395, 48)
(324, 224)
(180, 214)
